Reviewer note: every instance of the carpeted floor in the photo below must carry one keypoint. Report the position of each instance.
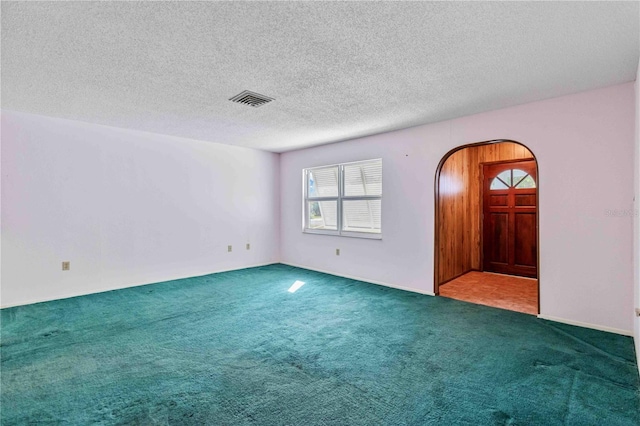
(237, 348)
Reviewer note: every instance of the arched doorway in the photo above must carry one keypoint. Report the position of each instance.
(486, 223)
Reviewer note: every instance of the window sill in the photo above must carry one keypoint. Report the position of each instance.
(350, 234)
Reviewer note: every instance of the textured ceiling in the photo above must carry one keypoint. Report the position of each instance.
(337, 70)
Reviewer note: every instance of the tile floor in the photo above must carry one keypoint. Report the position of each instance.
(500, 291)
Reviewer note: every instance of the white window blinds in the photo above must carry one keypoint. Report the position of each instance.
(345, 199)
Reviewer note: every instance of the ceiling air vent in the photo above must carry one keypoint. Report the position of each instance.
(251, 98)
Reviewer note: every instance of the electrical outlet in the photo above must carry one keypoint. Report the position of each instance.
(66, 266)
(229, 249)
(337, 252)
(248, 246)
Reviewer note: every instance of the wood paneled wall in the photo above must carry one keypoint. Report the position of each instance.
(460, 206)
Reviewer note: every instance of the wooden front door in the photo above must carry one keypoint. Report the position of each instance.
(510, 225)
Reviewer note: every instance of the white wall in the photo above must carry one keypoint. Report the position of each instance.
(126, 208)
(636, 219)
(584, 144)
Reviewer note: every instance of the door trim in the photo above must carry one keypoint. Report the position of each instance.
(436, 234)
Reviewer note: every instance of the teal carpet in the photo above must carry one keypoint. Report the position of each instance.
(237, 348)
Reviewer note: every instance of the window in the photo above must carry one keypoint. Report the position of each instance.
(344, 199)
(516, 178)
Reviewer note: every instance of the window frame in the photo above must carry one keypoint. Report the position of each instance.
(306, 199)
(513, 184)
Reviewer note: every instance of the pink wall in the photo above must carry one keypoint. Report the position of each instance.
(126, 208)
(584, 144)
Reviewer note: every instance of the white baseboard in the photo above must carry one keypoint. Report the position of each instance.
(367, 280)
(129, 285)
(587, 325)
